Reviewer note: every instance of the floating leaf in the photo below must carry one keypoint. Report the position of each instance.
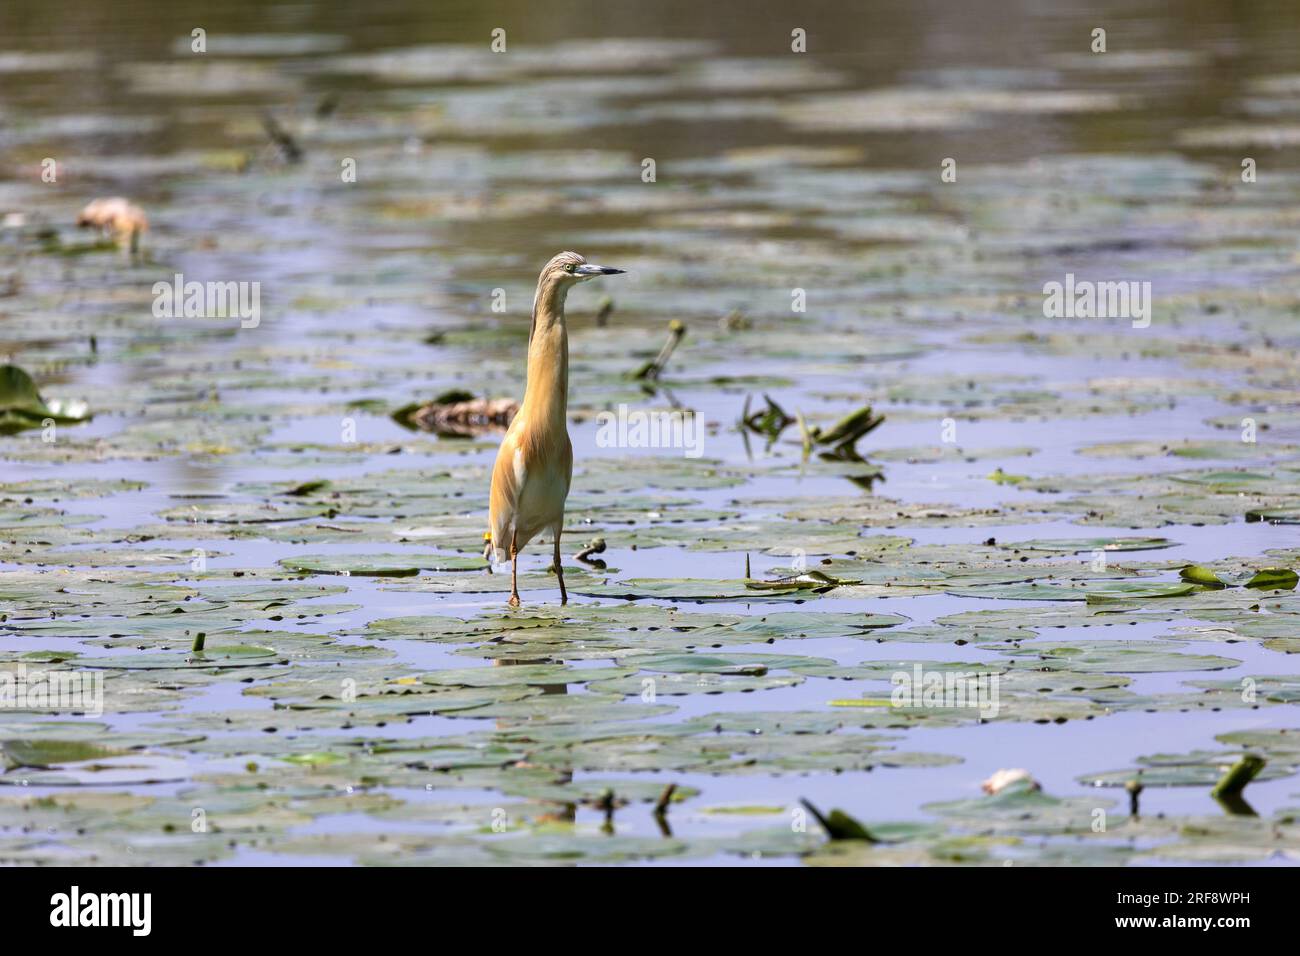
(21, 405)
(1080, 545)
(689, 590)
(44, 753)
(381, 565)
(1136, 590)
(1198, 574)
(1274, 579)
(839, 825)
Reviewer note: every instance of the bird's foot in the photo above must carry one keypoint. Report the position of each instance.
(514, 600)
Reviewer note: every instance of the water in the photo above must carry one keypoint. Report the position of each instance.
(775, 171)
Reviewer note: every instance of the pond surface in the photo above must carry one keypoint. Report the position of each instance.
(1022, 514)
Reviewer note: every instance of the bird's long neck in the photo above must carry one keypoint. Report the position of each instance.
(546, 396)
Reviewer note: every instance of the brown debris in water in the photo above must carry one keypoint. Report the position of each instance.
(459, 415)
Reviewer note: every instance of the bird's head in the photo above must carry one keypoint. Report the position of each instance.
(569, 268)
(559, 276)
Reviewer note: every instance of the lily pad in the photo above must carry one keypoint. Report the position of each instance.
(22, 408)
(688, 590)
(381, 565)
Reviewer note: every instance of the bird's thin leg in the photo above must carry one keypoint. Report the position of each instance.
(514, 572)
(559, 569)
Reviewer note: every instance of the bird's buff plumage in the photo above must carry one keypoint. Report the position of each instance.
(534, 465)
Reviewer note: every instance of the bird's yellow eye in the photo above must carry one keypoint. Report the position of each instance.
(570, 267)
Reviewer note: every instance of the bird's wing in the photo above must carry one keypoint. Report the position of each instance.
(530, 482)
(508, 476)
(567, 467)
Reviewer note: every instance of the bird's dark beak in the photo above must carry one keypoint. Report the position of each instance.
(589, 270)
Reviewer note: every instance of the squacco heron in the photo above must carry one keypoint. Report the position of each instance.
(534, 466)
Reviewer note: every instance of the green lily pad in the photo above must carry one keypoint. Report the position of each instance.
(1197, 769)
(1137, 590)
(750, 664)
(635, 589)
(1081, 545)
(1118, 657)
(22, 408)
(1198, 574)
(45, 753)
(231, 656)
(381, 565)
(1274, 579)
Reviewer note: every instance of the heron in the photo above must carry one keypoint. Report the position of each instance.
(118, 217)
(534, 465)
